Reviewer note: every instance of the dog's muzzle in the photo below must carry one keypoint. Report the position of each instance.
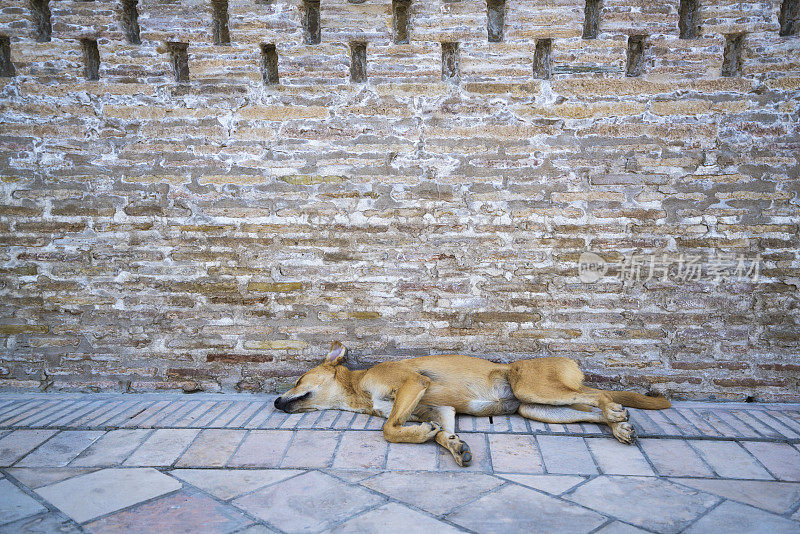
(286, 405)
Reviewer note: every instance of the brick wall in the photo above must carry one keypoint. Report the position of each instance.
(218, 233)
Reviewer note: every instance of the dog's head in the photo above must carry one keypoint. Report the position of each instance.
(318, 389)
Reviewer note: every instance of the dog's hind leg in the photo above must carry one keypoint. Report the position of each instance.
(559, 382)
(622, 430)
(559, 414)
(447, 438)
(406, 400)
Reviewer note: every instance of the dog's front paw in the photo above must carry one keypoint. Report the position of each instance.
(435, 428)
(615, 413)
(624, 432)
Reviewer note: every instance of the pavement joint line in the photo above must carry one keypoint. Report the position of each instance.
(200, 414)
(174, 405)
(601, 526)
(32, 494)
(58, 416)
(707, 511)
(176, 415)
(236, 450)
(31, 451)
(792, 509)
(680, 483)
(15, 407)
(703, 458)
(180, 454)
(11, 414)
(255, 406)
(675, 414)
(288, 444)
(769, 415)
(84, 411)
(390, 499)
(107, 415)
(759, 462)
(252, 518)
(735, 413)
(233, 405)
(25, 418)
(638, 445)
(109, 407)
(592, 456)
(131, 506)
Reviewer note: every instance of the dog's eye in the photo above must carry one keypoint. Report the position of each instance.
(298, 382)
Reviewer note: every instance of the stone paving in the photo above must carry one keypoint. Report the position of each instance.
(227, 463)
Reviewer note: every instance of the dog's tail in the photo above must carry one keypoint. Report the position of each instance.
(632, 399)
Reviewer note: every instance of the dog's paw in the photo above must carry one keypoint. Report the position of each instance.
(435, 428)
(615, 413)
(463, 456)
(624, 432)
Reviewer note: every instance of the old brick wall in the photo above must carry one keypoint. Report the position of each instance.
(218, 233)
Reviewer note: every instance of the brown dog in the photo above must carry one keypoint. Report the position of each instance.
(431, 390)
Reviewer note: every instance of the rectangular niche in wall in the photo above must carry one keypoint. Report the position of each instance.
(219, 20)
(591, 19)
(789, 18)
(6, 65)
(179, 58)
(40, 14)
(689, 19)
(91, 59)
(130, 21)
(496, 14)
(635, 64)
(358, 62)
(732, 55)
(450, 62)
(269, 64)
(541, 58)
(400, 9)
(311, 29)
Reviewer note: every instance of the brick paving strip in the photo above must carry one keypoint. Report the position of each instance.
(230, 463)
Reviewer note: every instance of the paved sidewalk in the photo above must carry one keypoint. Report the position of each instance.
(229, 463)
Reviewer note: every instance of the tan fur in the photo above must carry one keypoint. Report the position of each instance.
(430, 390)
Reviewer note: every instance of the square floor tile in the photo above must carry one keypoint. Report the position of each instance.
(393, 518)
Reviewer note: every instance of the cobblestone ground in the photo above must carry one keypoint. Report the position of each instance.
(206, 463)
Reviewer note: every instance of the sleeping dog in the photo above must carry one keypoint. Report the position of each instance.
(431, 390)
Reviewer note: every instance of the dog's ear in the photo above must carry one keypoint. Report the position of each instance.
(336, 355)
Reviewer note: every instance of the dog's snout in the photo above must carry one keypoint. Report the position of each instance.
(280, 404)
